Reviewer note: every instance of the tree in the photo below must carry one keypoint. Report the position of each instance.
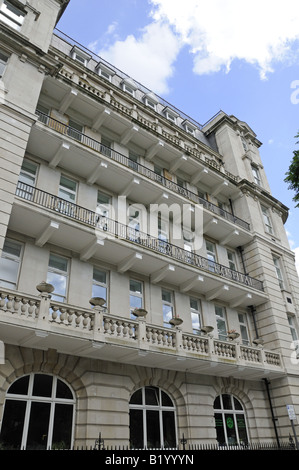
(292, 175)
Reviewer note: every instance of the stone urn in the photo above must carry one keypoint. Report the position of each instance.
(97, 301)
(207, 329)
(139, 312)
(233, 335)
(45, 288)
(176, 321)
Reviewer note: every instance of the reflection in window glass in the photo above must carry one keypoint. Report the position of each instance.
(10, 263)
(230, 421)
(57, 276)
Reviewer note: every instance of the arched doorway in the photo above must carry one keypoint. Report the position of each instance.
(38, 414)
(230, 421)
(152, 419)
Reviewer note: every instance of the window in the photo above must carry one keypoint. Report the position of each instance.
(3, 62)
(267, 220)
(10, 264)
(231, 260)
(106, 147)
(133, 161)
(134, 224)
(11, 15)
(136, 295)
(80, 56)
(167, 306)
(67, 189)
(293, 329)
(278, 270)
(230, 421)
(152, 419)
(151, 100)
(243, 328)
(38, 414)
(195, 315)
(99, 284)
(256, 175)
(129, 86)
(189, 127)
(27, 180)
(104, 71)
(211, 255)
(244, 143)
(58, 276)
(75, 130)
(221, 322)
(103, 206)
(163, 233)
(171, 115)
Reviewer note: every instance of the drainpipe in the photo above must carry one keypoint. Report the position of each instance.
(267, 383)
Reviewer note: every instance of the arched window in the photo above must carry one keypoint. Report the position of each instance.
(152, 419)
(230, 421)
(38, 414)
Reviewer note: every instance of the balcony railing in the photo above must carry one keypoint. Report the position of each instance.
(140, 169)
(96, 325)
(118, 230)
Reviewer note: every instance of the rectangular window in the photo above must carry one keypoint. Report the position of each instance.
(58, 276)
(103, 204)
(167, 306)
(106, 146)
(136, 296)
(3, 62)
(211, 255)
(221, 322)
(67, 189)
(195, 315)
(278, 270)
(267, 220)
(256, 175)
(10, 264)
(75, 130)
(163, 233)
(133, 161)
(243, 328)
(231, 260)
(27, 179)
(293, 328)
(99, 284)
(11, 15)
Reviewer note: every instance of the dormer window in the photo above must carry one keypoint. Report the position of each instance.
(189, 127)
(104, 71)
(80, 56)
(129, 86)
(11, 15)
(151, 100)
(170, 114)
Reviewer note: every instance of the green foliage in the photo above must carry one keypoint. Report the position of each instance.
(292, 175)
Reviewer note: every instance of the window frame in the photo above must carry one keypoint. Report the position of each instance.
(3, 62)
(53, 270)
(278, 269)
(65, 189)
(167, 303)
(234, 412)
(267, 220)
(244, 330)
(222, 336)
(211, 255)
(196, 311)
(14, 259)
(137, 295)
(256, 175)
(103, 285)
(12, 19)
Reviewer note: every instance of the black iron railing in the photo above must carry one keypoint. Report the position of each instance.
(130, 234)
(141, 169)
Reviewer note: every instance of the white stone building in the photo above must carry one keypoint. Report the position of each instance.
(109, 192)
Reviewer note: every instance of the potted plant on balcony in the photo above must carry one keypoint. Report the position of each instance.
(233, 334)
(176, 320)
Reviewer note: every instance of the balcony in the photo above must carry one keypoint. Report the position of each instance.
(233, 229)
(38, 322)
(104, 228)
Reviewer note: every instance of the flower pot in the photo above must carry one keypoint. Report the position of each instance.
(232, 336)
(139, 312)
(45, 287)
(176, 321)
(97, 301)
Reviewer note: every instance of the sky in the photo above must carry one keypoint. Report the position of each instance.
(203, 57)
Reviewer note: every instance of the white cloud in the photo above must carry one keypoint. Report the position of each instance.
(294, 249)
(220, 31)
(148, 59)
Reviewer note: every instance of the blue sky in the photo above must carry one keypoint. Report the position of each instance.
(208, 56)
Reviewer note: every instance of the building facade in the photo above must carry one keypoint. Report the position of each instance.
(148, 290)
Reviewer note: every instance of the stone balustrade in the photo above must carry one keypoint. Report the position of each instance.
(44, 315)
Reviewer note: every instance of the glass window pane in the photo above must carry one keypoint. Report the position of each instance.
(151, 396)
(63, 391)
(20, 386)
(167, 313)
(62, 435)
(153, 429)
(220, 429)
(166, 400)
(230, 429)
(99, 291)
(42, 386)
(237, 404)
(135, 286)
(58, 262)
(136, 398)
(136, 429)
(38, 426)
(99, 276)
(227, 402)
(169, 429)
(67, 183)
(217, 403)
(243, 439)
(166, 296)
(12, 248)
(59, 283)
(12, 425)
(9, 269)
(135, 302)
